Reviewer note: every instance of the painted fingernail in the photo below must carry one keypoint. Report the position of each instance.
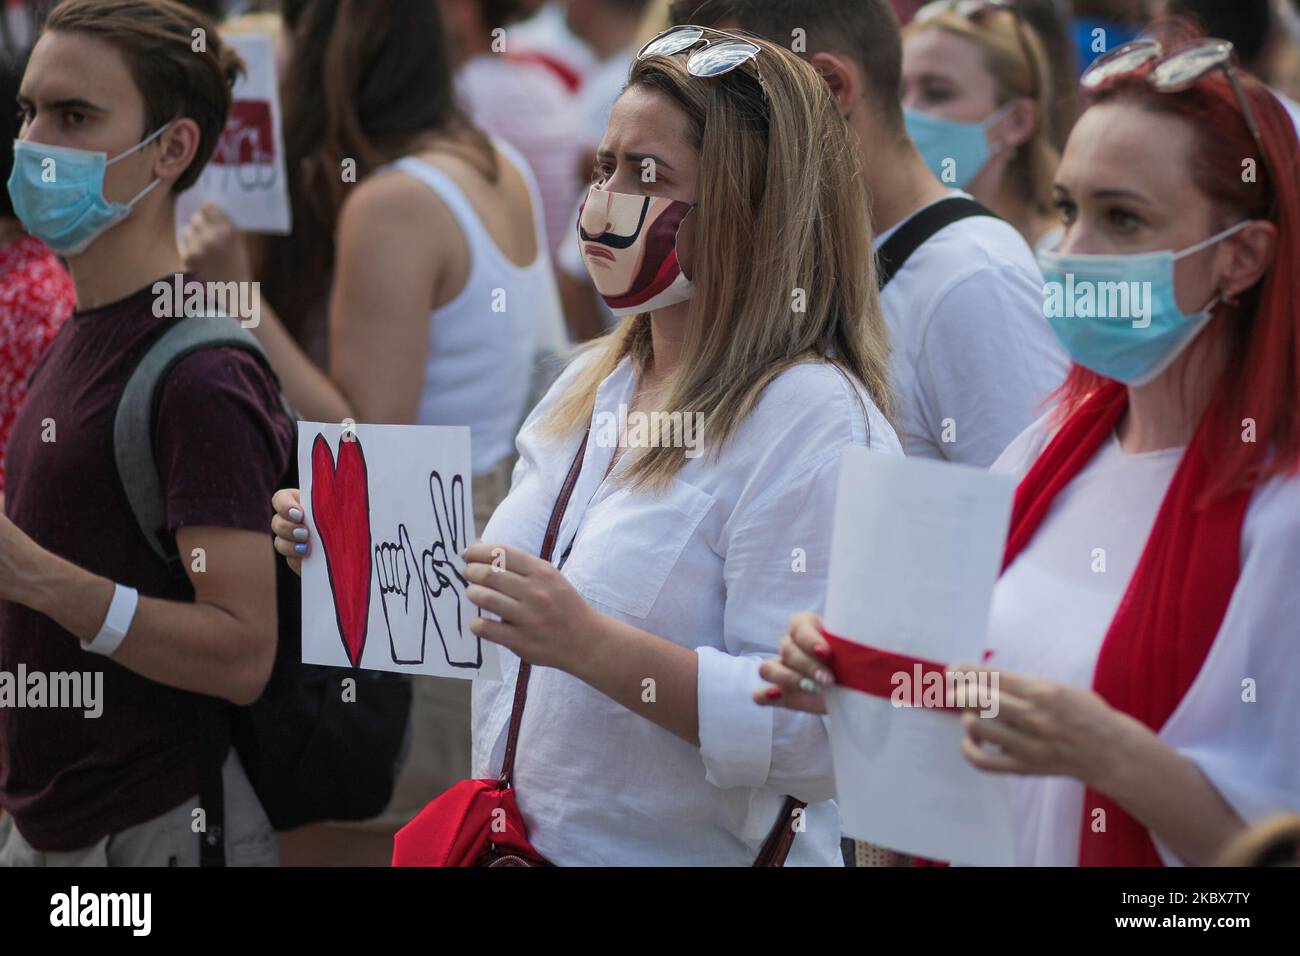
(300, 548)
(824, 677)
(822, 651)
(295, 514)
(300, 534)
(774, 693)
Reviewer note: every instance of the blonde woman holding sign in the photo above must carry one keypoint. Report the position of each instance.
(726, 227)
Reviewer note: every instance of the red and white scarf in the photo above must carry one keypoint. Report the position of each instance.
(1173, 607)
(1166, 621)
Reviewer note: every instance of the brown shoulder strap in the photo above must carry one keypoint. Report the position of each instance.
(777, 845)
(548, 548)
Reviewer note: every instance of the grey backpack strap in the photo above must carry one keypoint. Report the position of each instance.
(133, 423)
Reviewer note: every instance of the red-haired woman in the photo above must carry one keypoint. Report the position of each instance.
(1151, 584)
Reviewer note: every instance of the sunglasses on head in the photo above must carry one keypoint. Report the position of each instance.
(1175, 72)
(977, 11)
(714, 58)
(970, 9)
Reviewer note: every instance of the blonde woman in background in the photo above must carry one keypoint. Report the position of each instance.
(977, 98)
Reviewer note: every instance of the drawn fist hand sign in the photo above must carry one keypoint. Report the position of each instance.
(407, 619)
(443, 582)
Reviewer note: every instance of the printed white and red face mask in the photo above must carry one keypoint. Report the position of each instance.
(629, 245)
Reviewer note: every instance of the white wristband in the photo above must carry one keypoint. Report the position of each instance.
(121, 611)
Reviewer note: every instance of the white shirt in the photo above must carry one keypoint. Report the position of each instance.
(481, 344)
(717, 563)
(1053, 606)
(972, 356)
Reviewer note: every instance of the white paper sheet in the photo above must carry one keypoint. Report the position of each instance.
(389, 512)
(915, 553)
(246, 174)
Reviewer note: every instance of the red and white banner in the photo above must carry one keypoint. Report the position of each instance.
(246, 175)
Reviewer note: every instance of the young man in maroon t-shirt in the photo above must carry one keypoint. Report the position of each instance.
(81, 592)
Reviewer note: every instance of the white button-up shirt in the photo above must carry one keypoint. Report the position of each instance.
(717, 563)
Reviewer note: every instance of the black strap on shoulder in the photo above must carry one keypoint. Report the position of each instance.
(135, 419)
(914, 232)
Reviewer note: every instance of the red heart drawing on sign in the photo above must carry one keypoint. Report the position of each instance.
(340, 504)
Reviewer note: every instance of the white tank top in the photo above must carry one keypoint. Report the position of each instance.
(482, 342)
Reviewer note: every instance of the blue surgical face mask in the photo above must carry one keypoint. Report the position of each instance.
(58, 193)
(954, 151)
(1117, 314)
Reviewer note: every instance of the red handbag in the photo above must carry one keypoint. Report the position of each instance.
(477, 822)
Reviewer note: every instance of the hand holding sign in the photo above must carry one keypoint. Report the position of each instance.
(914, 556)
(800, 675)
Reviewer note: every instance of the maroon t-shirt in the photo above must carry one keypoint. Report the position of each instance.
(223, 442)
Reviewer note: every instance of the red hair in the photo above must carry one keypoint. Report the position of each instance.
(1261, 379)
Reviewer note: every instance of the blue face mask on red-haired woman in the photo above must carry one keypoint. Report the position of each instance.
(1133, 348)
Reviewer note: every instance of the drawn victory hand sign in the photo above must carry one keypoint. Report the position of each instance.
(390, 513)
(435, 574)
(443, 582)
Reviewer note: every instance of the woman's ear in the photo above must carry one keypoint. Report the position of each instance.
(842, 77)
(1250, 253)
(1017, 127)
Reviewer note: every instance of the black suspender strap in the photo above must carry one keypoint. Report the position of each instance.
(914, 232)
(214, 744)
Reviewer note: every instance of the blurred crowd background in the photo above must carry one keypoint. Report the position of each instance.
(543, 77)
(544, 74)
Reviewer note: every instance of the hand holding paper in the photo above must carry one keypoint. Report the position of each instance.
(915, 553)
(799, 676)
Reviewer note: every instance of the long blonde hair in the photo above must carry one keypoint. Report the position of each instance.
(783, 269)
(1013, 55)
